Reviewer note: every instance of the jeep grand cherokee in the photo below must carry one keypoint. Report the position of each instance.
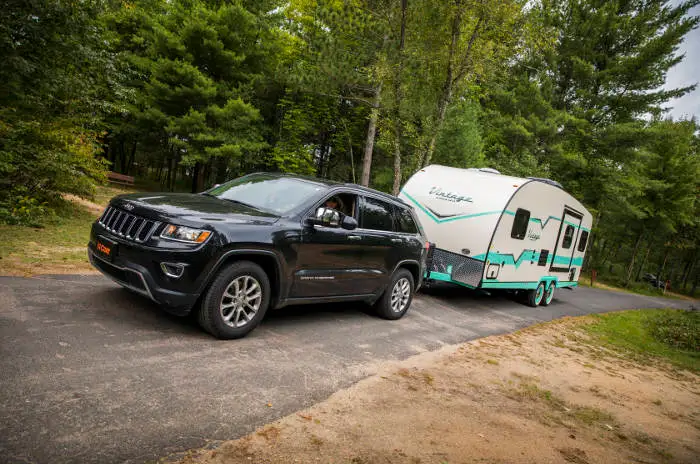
(260, 241)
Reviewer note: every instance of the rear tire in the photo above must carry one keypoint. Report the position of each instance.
(548, 294)
(534, 297)
(397, 297)
(236, 301)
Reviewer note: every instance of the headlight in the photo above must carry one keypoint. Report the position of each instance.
(185, 234)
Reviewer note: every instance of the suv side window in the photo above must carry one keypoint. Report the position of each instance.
(345, 203)
(405, 222)
(376, 215)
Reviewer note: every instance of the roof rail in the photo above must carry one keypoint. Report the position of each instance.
(547, 181)
(489, 170)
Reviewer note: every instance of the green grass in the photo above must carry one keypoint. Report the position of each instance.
(632, 332)
(58, 246)
(60, 243)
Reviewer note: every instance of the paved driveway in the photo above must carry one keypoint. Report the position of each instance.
(91, 373)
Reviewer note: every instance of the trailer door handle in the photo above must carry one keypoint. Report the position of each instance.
(397, 240)
(354, 237)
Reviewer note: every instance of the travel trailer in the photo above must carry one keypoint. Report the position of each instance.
(493, 231)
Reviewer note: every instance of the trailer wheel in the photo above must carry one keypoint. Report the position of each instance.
(548, 294)
(534, 297)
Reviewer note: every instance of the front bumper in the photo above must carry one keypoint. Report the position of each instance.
(138, 268)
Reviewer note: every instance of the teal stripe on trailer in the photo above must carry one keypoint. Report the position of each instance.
(449, 219)
(511, 285)
(442, 277)
(527, 256)
(567, 284)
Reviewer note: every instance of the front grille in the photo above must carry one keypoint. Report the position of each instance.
(127, 225)
(461, 268)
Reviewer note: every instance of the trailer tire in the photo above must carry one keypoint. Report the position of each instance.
(548, 294)
(534, 296)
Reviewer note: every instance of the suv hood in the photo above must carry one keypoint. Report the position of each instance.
(190, 208)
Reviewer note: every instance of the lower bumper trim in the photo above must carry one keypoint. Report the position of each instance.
(122, 275)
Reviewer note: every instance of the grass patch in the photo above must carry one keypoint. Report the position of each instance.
(639, 288)
(561, 409)
(59, 245)
(637, 333)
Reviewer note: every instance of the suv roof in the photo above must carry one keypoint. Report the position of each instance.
(332, 183)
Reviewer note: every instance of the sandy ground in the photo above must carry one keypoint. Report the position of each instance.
(542, 395)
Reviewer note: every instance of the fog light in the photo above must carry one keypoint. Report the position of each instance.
(174, 270)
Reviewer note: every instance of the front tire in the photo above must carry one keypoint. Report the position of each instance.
(534, 297)
(236, 301)
(397, 297)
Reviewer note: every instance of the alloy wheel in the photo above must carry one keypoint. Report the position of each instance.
(241, 301)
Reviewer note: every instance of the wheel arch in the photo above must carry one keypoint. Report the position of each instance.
(266, 259)
(413, 267)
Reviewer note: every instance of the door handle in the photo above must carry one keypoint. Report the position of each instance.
(354, 237)
(397, 240)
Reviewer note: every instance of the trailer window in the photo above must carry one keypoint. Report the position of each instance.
(522, 218)
(568, 237)
(583, 241)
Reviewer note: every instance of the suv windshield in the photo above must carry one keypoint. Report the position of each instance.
(268, 193)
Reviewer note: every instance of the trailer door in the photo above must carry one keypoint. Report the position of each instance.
(566, 241)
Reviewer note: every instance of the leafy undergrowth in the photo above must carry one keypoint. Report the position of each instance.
(670, 334)
(59, 246)
(639, 288)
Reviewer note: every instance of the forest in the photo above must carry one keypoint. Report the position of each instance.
(183, 94)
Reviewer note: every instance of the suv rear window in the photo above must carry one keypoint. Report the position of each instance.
(376, 215)
(406, 224)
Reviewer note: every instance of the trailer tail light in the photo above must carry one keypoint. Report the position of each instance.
(430, 247)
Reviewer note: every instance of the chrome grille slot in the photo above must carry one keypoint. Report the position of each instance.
(127, 225)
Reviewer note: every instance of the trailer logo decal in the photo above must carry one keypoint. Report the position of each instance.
(440, 194)
(533, 236)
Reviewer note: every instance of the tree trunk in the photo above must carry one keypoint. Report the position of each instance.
(369, 141)
(221, 165)
(689, 272)
(452, 77)
(630, 268)
(397, 110)
(195, 177)
(662, 266)
(130, 164)
(644, 262)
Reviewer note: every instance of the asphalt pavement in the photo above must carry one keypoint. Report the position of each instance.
(90, 373)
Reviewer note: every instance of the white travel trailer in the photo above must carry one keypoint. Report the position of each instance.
(495, 231)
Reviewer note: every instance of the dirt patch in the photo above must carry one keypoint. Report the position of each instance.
(94, 208)
(540, 395)
(16, 266)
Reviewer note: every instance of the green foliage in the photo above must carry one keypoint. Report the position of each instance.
(186, 93)
(632, 332)
(678, 329)
(459, 143)
(50, 105)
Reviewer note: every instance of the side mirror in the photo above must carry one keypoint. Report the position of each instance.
(326, 217)
(348, 223)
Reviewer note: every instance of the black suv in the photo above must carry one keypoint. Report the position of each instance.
(263, 240)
